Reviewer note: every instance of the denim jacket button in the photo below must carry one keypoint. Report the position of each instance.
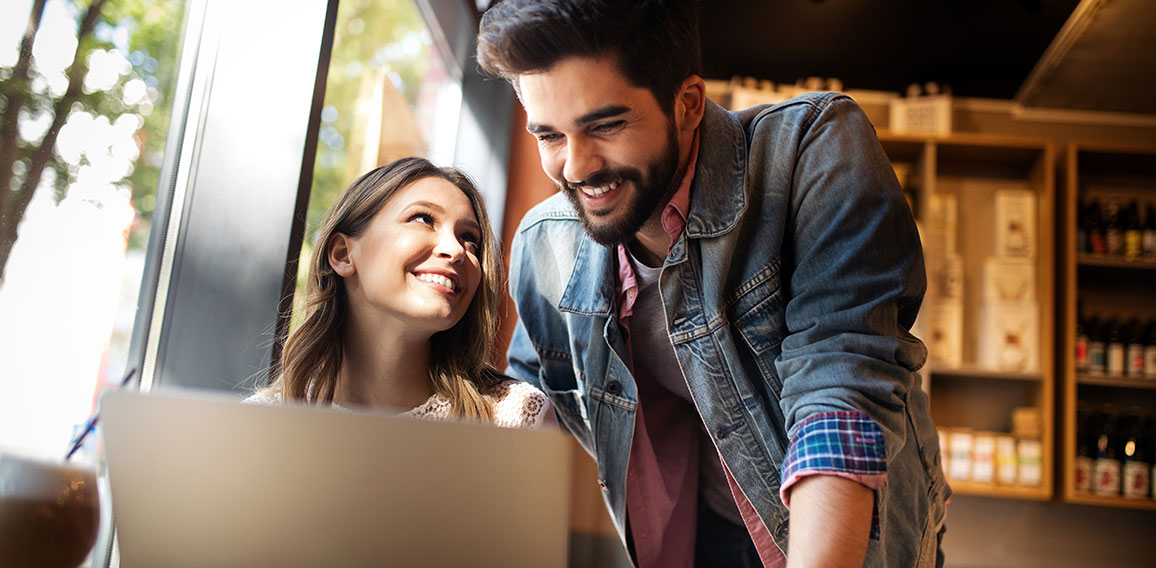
(614, 387)
(602, 484)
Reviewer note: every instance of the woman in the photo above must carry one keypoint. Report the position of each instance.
(402, 302)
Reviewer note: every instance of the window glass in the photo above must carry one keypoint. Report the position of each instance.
(389, 95)
(84, 118)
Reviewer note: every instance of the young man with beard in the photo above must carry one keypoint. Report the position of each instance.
(718, 303)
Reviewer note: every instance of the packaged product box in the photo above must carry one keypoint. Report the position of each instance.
(1030, 456)
(1005, 460)
(1026, 421)
(1008, 279)
(927, 114)
(1015, 223)
(983, 457)
(1008, 336)
(943, 327)
(959, 455)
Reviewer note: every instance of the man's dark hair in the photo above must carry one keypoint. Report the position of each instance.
(655, 42)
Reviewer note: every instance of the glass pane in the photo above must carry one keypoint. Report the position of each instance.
(389, 95)
(85, 113)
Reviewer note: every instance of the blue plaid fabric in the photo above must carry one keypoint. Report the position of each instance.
(847, 442)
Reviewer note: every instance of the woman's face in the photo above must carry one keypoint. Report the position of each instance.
(417, 263)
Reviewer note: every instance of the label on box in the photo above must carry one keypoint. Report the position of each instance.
(1008, 336)
(959, 456)
(1005, 460)
(983, 458)
(1015, 223)
(1030, 460)
(943, 325)
(1009, 279)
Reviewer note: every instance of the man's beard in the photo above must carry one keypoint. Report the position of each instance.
(657, 188)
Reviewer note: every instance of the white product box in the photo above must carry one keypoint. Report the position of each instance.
(983, 457)
(1009, 279)
(942, 224)
(929, 114)
(1015, 223)
(959, 455)
(1009, 336)
(943, 327)
(1031, 460)
(1005, 459)
(946, 277)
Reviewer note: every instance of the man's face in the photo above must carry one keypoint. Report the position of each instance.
(606, 143)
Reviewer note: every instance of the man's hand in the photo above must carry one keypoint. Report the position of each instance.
(830, 522)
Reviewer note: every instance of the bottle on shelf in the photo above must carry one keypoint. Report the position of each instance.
(1148, 235)
(1132, 231)
(1096, 242)
(1150, 352)
(1134, 350)
(1106, 468)
(1084, 445)
(1113, 228)
(1115, 345)
(1097, 348)
(1135, 468)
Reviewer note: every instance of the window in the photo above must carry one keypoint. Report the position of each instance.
(85, 115)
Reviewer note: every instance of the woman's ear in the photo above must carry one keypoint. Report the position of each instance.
(339, 255)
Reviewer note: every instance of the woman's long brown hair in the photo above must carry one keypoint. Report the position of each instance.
(459, 356)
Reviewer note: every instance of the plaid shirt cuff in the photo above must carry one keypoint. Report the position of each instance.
(846, 444)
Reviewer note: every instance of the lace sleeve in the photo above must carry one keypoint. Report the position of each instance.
(519, 405)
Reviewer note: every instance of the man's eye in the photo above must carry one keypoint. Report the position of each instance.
(549, 137)
(606, 127)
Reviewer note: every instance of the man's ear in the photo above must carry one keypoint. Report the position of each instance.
(339, 255)
(690, 103)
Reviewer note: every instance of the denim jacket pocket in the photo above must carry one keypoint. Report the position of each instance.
(756, 309)
(570, 406)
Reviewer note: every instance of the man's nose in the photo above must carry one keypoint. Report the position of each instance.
(582, 160)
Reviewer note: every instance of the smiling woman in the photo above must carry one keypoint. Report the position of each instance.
(401, 307)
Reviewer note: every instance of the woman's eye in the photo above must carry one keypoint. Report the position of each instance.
(474, 242)
(423, 218)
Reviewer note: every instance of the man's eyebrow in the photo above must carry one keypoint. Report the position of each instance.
(592, 116)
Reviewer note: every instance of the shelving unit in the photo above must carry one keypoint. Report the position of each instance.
(972, 168)
(1102, 285)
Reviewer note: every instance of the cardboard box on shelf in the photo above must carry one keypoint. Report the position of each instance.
(1009, 336)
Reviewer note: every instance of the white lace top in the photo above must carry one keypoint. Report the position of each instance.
(516, 405)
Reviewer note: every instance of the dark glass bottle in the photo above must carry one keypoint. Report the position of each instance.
(1132, 231)
(1150, 351)
(1097, 348)
(1084, 427)
(1134, 349)
(1135, 469)
(1115, 343)
(1148, 236)
(1096, 241)
(1113, 228)
(1106, 468)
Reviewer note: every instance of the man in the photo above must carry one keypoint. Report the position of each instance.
(718, 304)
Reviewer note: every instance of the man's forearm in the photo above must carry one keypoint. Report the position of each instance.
(830, 522)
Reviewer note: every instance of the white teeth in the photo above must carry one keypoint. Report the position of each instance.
(437, 279)
(599, 191)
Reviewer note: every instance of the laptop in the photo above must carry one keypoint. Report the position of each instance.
(201, 480)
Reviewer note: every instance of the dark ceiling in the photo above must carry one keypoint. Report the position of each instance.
(981, 48)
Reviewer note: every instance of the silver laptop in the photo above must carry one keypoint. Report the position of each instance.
(201, 480)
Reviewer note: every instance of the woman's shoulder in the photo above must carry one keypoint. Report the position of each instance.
(263, 397)
(517, 404)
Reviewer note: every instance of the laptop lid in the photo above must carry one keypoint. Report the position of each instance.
(202, 480)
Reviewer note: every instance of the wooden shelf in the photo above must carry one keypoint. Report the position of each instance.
(1121, 382)
(1091, 260)
(1102, 286)
(1085, 499)
(982, 373)
(1002, 491)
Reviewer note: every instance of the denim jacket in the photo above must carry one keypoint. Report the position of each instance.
(789, 295)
